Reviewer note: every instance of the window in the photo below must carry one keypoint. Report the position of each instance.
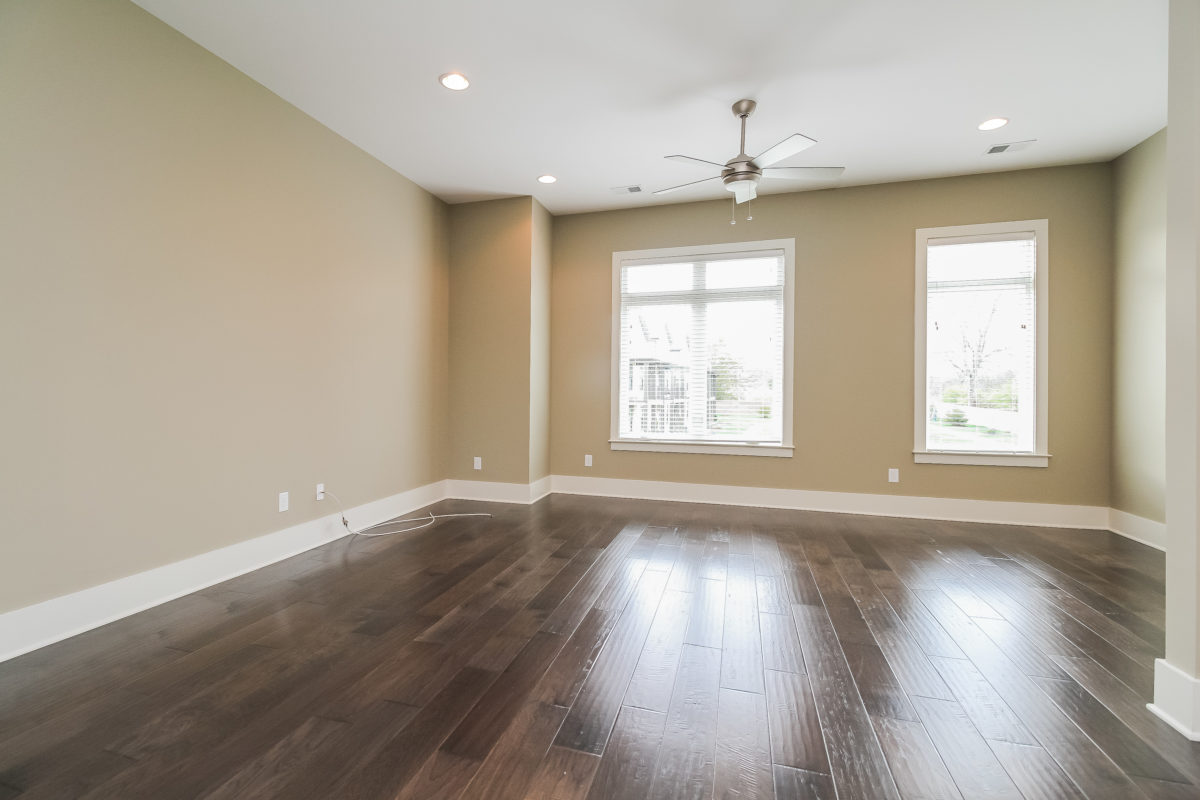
(981, 344)
(702, 349)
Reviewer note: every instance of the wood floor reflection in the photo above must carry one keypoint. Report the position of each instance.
(600, 648)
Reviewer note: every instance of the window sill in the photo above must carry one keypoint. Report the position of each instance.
(982, 459)
(711, 448)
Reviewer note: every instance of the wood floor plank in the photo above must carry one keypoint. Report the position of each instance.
(706, 621)
(743, 758)
(1023, 652)
(686, 758)
(918, 769)
(263, 777)
(627, 767)
(1165, 790)
(510, 767)
(780, 645)
(565, 774)
(795, 728)
(391, 768)
(924, 629)
(741, 643)
(797, 784)
(881, 692)
(772, 595)
(856, 761)
(985, 708)
(345, 749)
(906, 660)
(686, 570)
(1034, 772)
(594, 710)
(654, 675)
(970, 761)
(487, 720)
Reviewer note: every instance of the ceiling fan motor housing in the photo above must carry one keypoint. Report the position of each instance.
(741, 169)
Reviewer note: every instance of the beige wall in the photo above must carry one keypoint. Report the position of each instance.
(853, 407)
(206, 298)
(539, 344)
(1139, 330)
(1182, 365)
(500, 340)
(490, 257)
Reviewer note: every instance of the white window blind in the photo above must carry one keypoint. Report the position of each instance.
(700, 351)
(981, 343)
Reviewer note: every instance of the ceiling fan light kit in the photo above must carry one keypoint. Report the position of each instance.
(742, 173)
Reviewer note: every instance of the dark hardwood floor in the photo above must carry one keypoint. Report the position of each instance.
(599, 648)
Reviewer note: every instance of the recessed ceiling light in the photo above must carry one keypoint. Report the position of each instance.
(546, 179)
(993, 123)
(455, 80)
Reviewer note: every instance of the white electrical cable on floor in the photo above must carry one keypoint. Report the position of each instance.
(370, 530)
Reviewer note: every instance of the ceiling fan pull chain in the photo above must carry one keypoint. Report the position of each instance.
(732, 211)
(749, 216)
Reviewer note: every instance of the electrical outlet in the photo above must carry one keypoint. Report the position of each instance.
(320, 491)
(893, 476)
(478, 462)
(587, 460)
(283, 501)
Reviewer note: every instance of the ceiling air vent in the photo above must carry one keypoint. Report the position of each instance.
(626, 189)
(1009, 147)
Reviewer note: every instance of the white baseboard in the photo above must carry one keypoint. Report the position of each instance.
(35, 626)
(1176, 699)
(1139, 529)
(495, 492)
(942, 508)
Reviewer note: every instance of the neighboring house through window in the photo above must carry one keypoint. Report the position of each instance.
(702, 349)
(981, 312)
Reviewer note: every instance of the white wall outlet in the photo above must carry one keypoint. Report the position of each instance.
(283, 501)
(478, 462)
(320, 491)
(893, 476)
(587, 460)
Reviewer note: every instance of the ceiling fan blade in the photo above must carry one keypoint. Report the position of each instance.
(785, 149)
(744, 191)
(685, 185)
(804, 173)
(690, 160)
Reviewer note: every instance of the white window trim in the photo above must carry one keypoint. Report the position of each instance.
(995, 231)
(666, 254)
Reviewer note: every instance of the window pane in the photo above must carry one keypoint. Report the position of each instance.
(981, 261)
(981, 347)
(655, 367)
(743, 273)
(657, 278)
(699, 366)
(744, 392)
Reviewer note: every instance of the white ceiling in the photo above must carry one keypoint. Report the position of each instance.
(597, 93)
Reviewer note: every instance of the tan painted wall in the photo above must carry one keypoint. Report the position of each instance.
(539, 344)
(1139, 330)
(206, 298)
(1182, 363)
(490, 295)
(853, 405)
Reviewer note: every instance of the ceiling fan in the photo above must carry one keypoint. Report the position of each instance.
(741, 173)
